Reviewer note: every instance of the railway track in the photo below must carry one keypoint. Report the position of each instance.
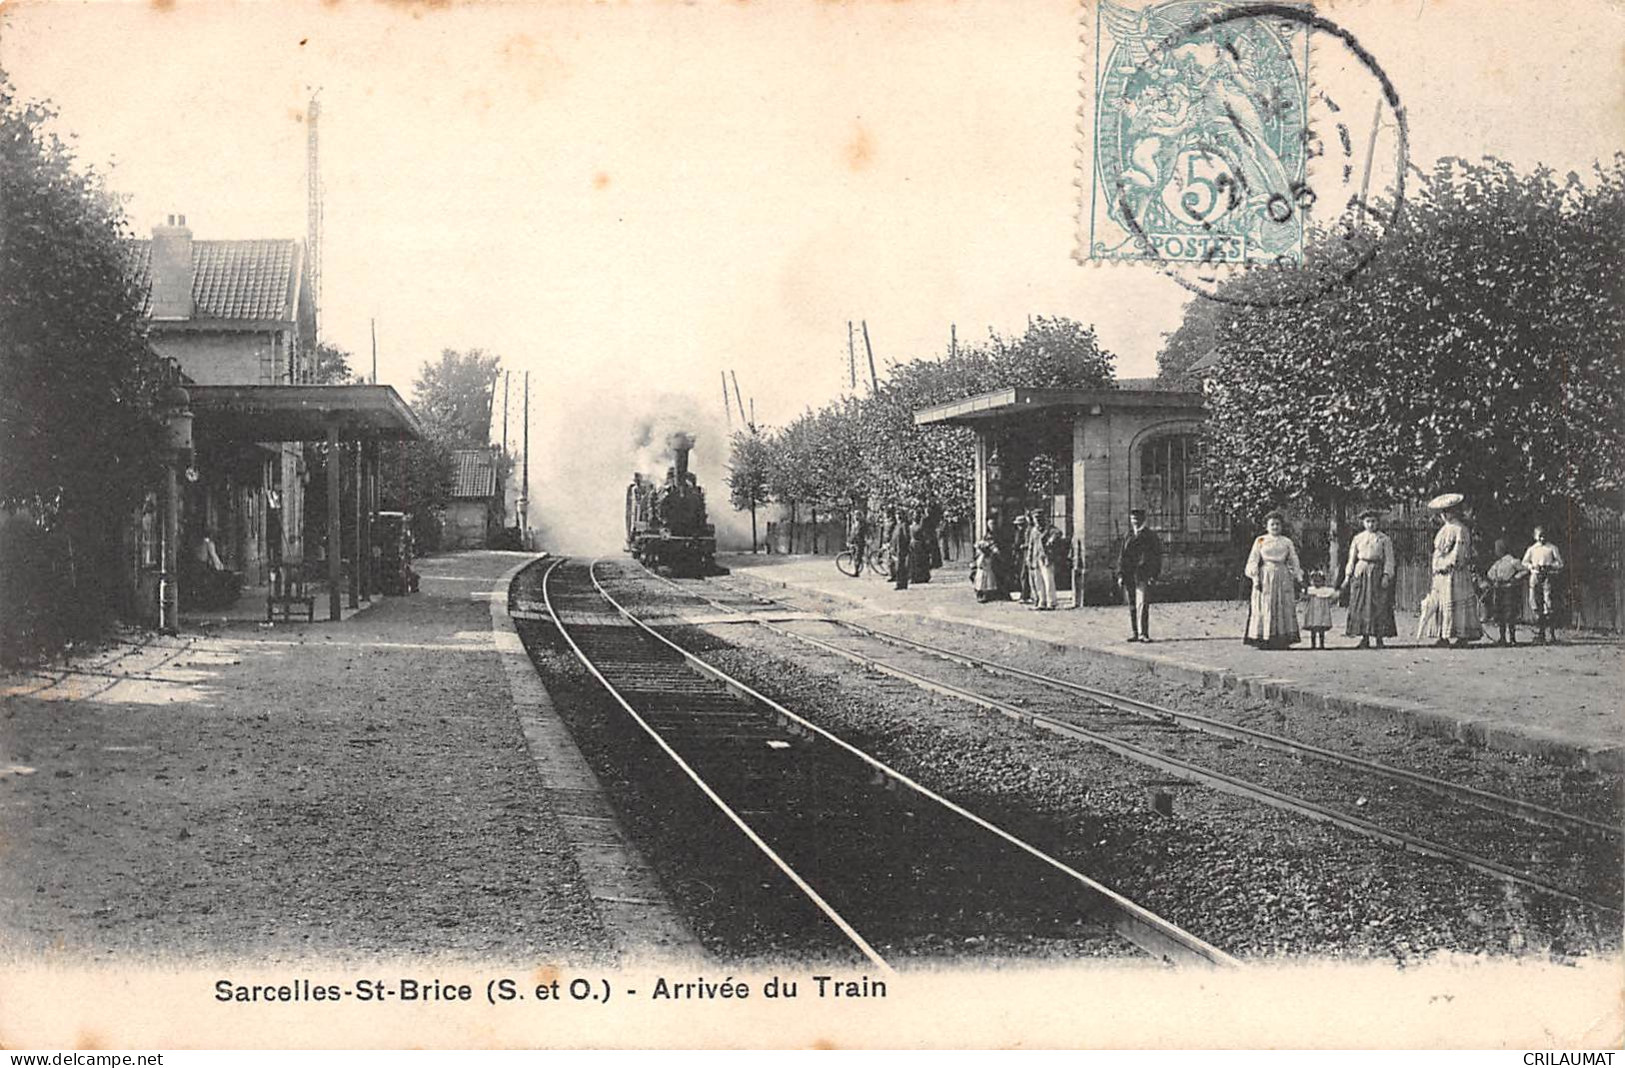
(1536, 847)
(880, 857)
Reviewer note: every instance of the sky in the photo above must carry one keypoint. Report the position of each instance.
(626, 200)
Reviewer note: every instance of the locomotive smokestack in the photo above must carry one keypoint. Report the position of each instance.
(679, 444)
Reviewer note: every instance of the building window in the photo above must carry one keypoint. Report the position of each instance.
(1170, 488)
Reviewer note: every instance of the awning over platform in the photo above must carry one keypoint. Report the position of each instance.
(302, 413)
(1003, 403)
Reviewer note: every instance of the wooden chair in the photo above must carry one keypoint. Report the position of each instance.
(289, 593)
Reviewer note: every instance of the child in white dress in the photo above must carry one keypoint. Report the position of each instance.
(1317, 612)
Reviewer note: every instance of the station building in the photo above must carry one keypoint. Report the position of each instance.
(237, 322)
(1087, 456)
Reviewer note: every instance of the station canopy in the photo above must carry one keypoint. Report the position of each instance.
(302, 413)
(1018, 400)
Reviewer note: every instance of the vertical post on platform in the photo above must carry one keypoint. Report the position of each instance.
(178, 430)
(524, 474)
(365, 463)
(334, 544)
(352, 540)
(168, 593)
(979, 486)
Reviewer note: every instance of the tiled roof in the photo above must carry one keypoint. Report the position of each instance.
(476, 473)
(234, 279)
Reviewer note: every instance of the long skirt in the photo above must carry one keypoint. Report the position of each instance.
(919, 560)
(1273, 622)
(1371, 608)
(1458, 606)
(986, 577)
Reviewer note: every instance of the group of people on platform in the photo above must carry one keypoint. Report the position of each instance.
(1022, 561)
(912, 548)
(1450, 613)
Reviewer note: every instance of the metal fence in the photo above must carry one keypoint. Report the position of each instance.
(1591, 593)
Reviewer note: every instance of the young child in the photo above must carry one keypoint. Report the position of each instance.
(1317, 613)
(1505, 595)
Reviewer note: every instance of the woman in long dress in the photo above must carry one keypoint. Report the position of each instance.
(988, 585)
(1273, 566)
(1453, 589)
(1370, 580)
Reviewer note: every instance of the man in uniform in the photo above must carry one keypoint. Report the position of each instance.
(899, 550)
(1138, 565)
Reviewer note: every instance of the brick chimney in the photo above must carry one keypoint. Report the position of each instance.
(172, 270)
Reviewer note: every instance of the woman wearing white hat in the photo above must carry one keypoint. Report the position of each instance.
(1453, 589)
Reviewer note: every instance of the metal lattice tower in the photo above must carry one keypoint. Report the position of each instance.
(313, 207)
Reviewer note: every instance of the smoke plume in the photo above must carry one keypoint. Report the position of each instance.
(599, 440)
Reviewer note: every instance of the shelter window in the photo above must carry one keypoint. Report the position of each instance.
(1170, 488)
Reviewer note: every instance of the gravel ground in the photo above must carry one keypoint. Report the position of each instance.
(913, 882)
(343, 791)
(1564, 688)
(1583, 864)
(1593, 794)
(1255, 881)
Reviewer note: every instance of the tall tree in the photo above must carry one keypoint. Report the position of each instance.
(921, 468)
(1478, 352)
(333, 366)
(81, 433)
(453, 396)
(1195, 338)
(415, 477)
(749, 460)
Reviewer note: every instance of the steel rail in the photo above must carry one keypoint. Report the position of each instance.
(1499, 803)
(1133, 922)
(704, 787)
(1209, 777)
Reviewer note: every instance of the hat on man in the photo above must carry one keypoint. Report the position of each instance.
(1022, 518)
(1370, 513)
(1446, 500)
(1136, 513)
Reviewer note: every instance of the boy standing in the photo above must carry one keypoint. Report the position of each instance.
(1545, 563)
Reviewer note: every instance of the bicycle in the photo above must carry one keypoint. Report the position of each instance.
(850, 565)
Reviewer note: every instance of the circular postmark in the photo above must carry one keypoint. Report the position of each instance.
(1215, 153)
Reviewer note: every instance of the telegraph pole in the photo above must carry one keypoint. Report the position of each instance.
(851, 357)
(741, 401)
(313, 206)
(874, 380)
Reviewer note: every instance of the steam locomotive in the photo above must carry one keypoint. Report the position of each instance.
(665, 522)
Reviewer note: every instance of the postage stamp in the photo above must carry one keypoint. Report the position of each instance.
(1201, 127)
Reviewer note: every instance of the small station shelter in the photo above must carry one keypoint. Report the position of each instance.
(1085, 457)
(351, 420)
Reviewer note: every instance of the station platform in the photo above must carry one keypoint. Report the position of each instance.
(392, 784)
(1563, 702)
